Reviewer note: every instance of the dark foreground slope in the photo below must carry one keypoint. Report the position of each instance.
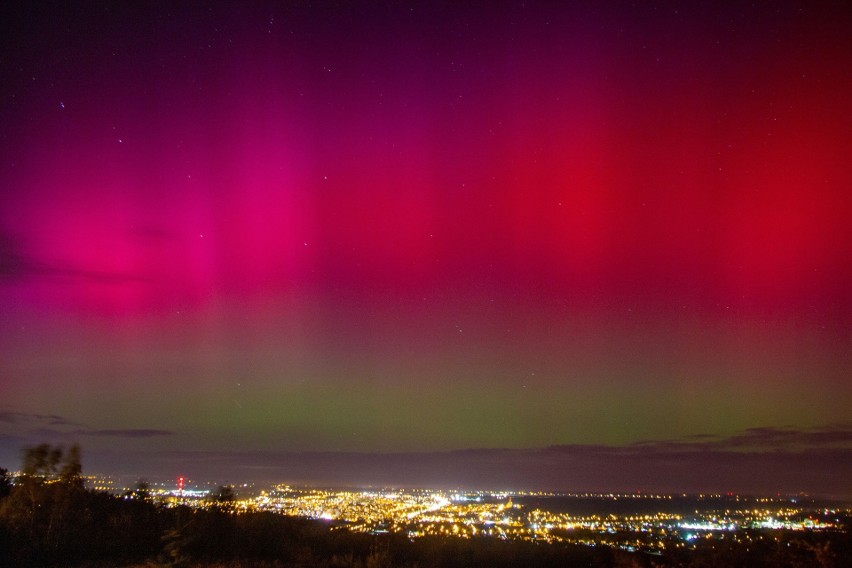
(53, 525)
(49, 519)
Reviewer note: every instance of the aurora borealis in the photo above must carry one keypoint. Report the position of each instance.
(423, 227)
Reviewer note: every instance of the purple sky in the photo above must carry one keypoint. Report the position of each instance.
(258, 230)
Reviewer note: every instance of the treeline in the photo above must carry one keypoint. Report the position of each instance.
(48, 518)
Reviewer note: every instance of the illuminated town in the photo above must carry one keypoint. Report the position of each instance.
(645, 522)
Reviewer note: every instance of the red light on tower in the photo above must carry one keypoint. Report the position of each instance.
(180, 483)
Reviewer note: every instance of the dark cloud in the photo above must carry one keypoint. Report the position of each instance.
(757, 461)
(37, 427)
(131, 433)
(758, 440)
(786, 438)
(16, 263)
(826, 472)
(25, 418)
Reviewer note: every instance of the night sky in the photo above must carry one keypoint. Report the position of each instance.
(256, 230)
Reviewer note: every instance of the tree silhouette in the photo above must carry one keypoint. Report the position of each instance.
(223, 498)
(39, 508)
(41, 460)
(71, 472)
(5, 483)
(142, 491)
